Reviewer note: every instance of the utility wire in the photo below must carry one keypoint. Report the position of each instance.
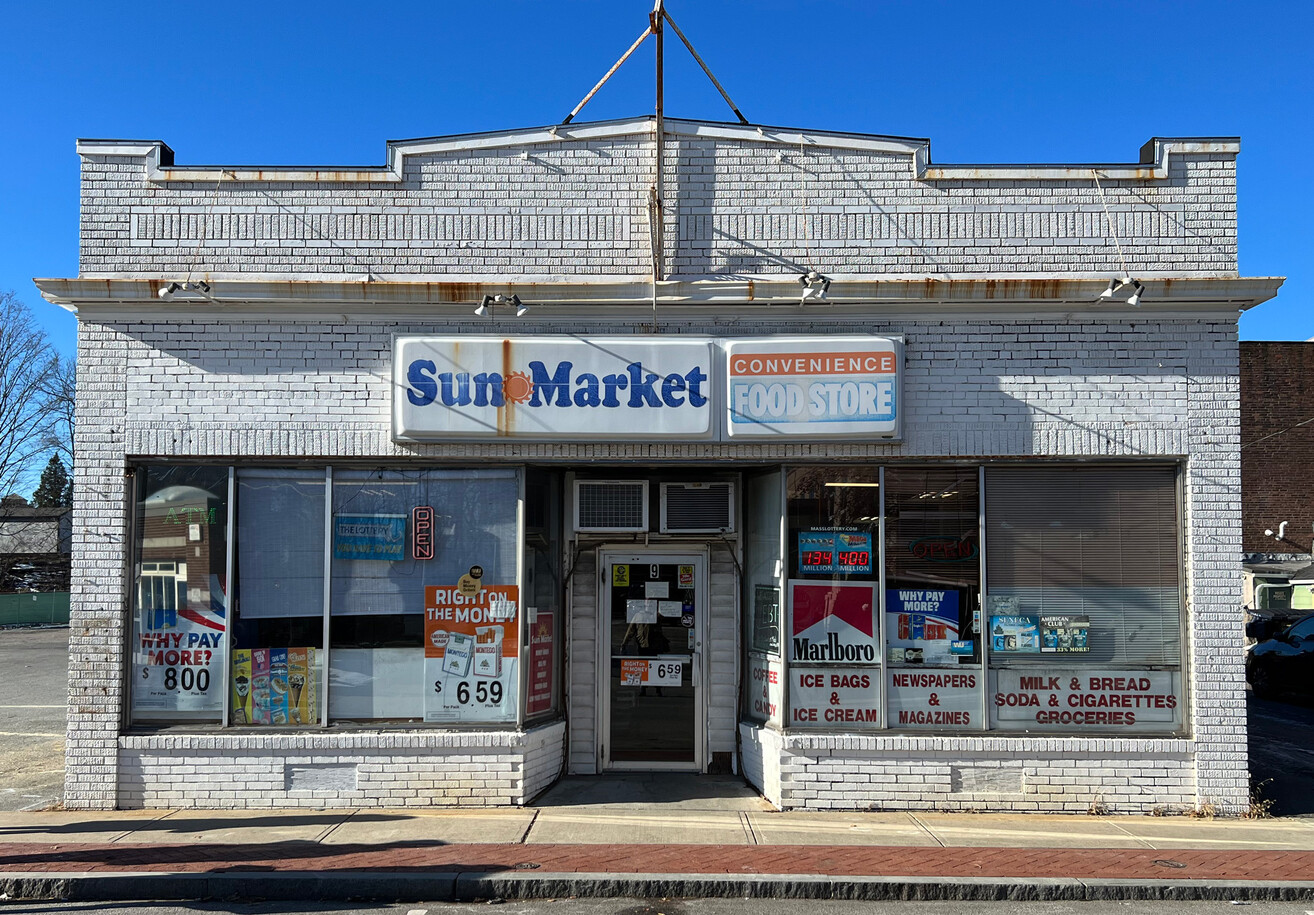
(1303, 422)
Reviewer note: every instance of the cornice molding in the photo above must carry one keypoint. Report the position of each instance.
(623, 299)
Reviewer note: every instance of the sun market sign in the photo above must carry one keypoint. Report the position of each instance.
(618, 388)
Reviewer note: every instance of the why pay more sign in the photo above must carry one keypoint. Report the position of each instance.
(685, 387)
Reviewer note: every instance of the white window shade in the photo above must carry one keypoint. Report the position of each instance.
(1101, 542)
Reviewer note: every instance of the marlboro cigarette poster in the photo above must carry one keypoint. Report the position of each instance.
(471, 654)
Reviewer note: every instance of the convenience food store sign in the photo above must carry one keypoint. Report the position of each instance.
(682, 387)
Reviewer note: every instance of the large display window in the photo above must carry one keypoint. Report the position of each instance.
(1050, 602)
(397, 614)
(764, 668)
(932, 594)
(278, 630)
(180, 597)
(1084, 598)
(359, 595)
(543, 592)
(833, 637)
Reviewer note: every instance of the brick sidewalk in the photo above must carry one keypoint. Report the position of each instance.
(831, 860)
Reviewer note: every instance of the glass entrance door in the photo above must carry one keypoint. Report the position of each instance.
(653, 616)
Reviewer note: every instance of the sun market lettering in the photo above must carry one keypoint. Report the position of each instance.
(634, 388)
(832, 650)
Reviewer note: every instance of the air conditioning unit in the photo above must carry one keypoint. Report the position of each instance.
(698, 508)
(611, 506)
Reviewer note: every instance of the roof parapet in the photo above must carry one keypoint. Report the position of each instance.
(1153, 165)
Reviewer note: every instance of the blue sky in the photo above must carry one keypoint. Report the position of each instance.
(330, 83)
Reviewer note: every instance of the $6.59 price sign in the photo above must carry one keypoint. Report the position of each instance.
(470, 698)
(485, 692)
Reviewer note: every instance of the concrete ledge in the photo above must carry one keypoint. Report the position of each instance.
(449, 887)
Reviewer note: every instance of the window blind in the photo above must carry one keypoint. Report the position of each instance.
(1100, 542)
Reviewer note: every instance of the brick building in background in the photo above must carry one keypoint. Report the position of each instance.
(1277, 448)
(819, 462)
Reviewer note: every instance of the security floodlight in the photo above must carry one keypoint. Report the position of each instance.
(1134, 299)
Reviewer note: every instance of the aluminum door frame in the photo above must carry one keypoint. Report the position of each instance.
(679, 554)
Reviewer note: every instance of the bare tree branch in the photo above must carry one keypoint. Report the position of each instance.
(27, 362)
(60, 393)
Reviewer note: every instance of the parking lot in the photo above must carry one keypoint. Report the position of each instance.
(33, 700)
(33, 694)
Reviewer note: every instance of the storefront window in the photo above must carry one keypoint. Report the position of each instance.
(763, 693)
(1083, 601)
(180, 597)
(932, 588)
(424, 631)
(833, 639)
(278, 629)
(543, 589)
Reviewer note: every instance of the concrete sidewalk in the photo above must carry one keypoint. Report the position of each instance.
(720, 844)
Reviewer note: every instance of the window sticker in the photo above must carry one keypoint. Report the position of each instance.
(834, 552)
(1014, 635)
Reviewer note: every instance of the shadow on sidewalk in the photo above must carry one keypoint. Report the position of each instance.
(267, 857)
(191, 822)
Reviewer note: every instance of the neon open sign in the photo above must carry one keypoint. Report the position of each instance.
(422, 532)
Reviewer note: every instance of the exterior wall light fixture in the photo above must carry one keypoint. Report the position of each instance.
(1117, 284)
(486, 305)
(167, 293)
(814, 285)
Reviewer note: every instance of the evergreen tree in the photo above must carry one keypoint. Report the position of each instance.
(56, 488)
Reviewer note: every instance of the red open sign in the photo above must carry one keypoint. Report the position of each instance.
(422, 532)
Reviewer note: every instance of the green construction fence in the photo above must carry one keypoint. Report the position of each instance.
(49, 609)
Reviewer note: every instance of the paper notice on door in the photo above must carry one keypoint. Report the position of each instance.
(641, 611)
(657, 589)
(669, 608)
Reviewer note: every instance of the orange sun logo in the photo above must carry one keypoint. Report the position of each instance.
(517, 388)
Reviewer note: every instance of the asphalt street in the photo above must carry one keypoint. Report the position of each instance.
(668, 907)
(33, 700)
(1282, 755)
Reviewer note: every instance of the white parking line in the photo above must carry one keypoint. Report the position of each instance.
(30, 734)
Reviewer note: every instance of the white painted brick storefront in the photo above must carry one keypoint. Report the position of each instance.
(268, 372)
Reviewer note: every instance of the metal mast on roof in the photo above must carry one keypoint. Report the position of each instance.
(656, 19)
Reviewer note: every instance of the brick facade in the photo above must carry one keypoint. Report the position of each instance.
(1052, 374)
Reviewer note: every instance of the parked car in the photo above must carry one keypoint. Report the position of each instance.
(1284, 663)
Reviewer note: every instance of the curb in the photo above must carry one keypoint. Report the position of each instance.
(465, 887)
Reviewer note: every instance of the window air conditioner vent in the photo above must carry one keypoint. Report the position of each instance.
(606, 506)
(698, 508)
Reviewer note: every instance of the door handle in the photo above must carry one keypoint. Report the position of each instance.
(696, 668)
